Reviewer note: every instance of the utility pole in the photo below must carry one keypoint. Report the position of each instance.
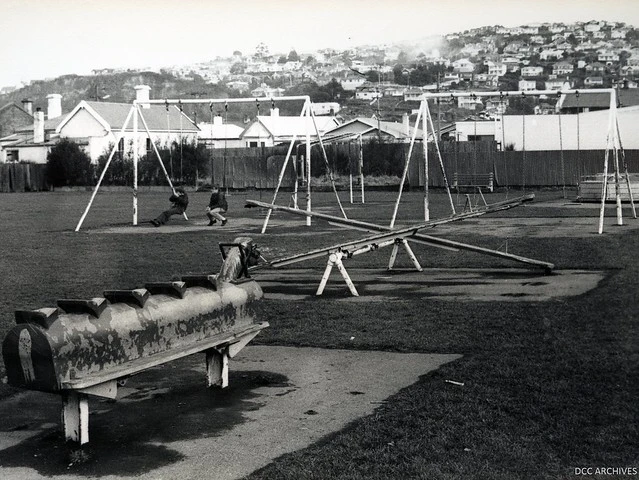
(439, 127)
(379, 92)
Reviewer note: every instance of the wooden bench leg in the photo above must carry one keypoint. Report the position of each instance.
(75, 417)
(217, 368)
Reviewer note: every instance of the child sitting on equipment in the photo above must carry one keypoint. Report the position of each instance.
(180, 200)
(217, 206)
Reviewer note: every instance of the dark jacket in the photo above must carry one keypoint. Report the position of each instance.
(179, 199)
(218, 200)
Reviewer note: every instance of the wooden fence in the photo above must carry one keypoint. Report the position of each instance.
(22, 177)
(260, 167)
(514, 168)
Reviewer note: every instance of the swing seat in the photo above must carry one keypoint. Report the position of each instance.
(473, 181)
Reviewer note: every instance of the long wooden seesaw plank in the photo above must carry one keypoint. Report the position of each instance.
(409, 233)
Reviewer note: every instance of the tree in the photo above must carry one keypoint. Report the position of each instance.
(68, 165)
(261, 51)
(237, 68)
(281, 60)
(293, 56)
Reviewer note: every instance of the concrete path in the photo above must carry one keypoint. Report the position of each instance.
(169, 426)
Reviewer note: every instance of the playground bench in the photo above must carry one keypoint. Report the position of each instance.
(473, 180)
(85, 348)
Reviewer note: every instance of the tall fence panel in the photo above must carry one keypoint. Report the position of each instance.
(251, 168)
(22, 177)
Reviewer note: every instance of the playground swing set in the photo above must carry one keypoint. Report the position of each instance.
(136, 115)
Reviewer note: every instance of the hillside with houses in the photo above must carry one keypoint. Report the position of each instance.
(384, 83)
(547, 56)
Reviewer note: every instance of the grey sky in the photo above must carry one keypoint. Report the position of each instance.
(40, 38)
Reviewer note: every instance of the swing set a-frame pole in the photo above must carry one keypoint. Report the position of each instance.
(283, 169)
(106, 167)
(157, 153)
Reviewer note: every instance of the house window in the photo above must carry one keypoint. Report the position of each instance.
(149, 147)
(121, 148)
(262, 144)
(13, 156)
(253, 144)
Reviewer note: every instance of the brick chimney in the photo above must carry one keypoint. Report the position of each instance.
(142, 95)
(38, 126)
(27, 105)
(54, 105)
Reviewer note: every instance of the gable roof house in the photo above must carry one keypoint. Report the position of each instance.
(13, 116)
(32, 142)
(97, 125)
(370, 129)
(270, 130)
(219, 134)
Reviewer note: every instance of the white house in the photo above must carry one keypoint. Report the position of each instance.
(562, 68)
(557, 84)
(219, 134)
(532, 71)
(593, 82)
(325, 108)
(475, 130)
(470, 103)
(97, 125)
(352, 83)
(607, 56)
(368, 93)
(370, 128)
(463, 66)
(269, 130)
(498, 69)
(33, 142)
(526, 85)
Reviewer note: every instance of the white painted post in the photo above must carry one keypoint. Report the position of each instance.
(157, 153)
(604, 187)
(393, 256)
(424, 105)
(282, 171)
(75, 417)
(327, 273)
(410, 153)
(347, 279)
(97, 187)
(625, 166)
(217, 368)
(441, 160)
(135, 167)
(615, 143)
(328, 167)
(361, 165)
(307, 161)
(411, 255)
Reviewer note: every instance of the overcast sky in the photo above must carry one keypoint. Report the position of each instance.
(48, 38)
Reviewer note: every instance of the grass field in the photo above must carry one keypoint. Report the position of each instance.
(548, 386)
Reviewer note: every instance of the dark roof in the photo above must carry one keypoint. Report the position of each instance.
(16, 106)
(155, 116)
(625, 98)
